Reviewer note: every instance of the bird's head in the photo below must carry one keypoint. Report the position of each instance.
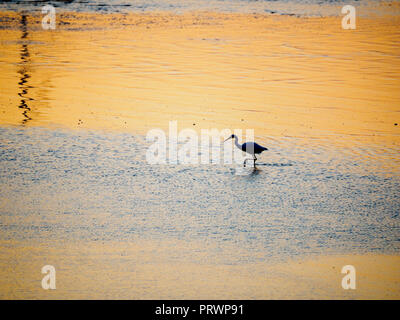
(230, 137)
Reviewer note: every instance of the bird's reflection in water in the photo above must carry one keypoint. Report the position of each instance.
(253, 171)
(23, 71)
(246, 171)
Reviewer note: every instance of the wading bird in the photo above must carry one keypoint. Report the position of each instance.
(249, 147)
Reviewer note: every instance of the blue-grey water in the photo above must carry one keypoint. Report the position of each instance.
(306, 197)
(282, 7)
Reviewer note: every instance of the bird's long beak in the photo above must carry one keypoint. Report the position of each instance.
(227, 139)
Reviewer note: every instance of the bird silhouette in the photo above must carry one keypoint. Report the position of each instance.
(248, 147)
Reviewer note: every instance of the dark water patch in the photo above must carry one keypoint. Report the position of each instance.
(273, 7)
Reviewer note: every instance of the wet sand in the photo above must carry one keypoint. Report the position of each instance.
(286, 77)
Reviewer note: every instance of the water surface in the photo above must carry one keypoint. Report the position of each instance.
(279, 7)
(76, 191)
(304, 197)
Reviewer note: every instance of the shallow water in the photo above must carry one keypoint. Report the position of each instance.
(280, 7)
(304, 197)
(281, 76)
(322, 99)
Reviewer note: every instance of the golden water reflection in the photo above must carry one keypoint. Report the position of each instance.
(282, 76)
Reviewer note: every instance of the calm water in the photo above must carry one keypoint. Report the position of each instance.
(329, 184)
(306, 196)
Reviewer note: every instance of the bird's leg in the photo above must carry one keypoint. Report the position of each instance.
(254, 161)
